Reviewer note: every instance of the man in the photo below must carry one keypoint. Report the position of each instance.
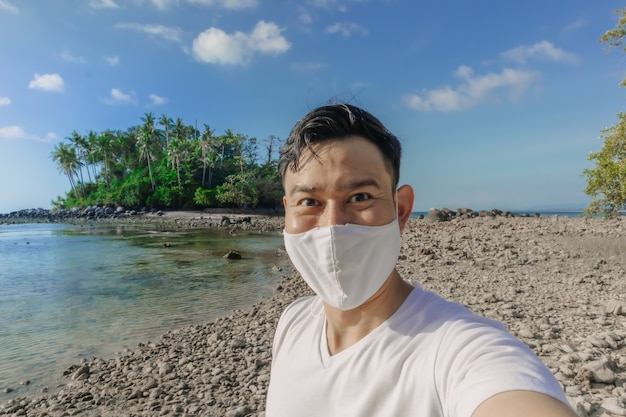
(370, 344)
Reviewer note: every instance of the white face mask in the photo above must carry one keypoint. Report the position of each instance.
(345, 264)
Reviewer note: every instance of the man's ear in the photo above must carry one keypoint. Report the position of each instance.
(405, 204)
(285, 202)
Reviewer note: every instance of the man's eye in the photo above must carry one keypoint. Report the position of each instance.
(308, 202)
(359, 197)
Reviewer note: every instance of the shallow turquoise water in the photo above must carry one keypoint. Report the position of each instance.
(71, 292)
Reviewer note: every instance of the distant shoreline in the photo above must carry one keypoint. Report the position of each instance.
(214, 217)
(228, 219)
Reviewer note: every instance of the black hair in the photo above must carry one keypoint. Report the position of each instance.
(336, 122)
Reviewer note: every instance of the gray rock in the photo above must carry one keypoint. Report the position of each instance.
(615, 406)
(616, 307)
(434, 215)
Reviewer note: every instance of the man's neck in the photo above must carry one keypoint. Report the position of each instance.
(345, 328)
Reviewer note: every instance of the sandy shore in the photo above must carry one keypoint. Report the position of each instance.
(558, 283)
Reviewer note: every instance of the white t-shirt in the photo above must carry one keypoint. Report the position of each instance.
(431, 358)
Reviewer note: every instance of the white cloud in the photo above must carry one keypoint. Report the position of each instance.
(511, 83)
(266, 38)
(15, 132)
(12, 132)
(113, 60)
(576, 25)
(8, 7)
(66, 55)
(103, 4)
(117, 96)
(5, 101)
(304, 16)
(156, 100)
(217, 47)
(164, 4)
(543, 50)
(346, 29)
(47, 82)
(340, 5)
(227, 4)
(167, 33)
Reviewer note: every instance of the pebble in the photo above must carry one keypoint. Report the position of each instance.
(558, 284)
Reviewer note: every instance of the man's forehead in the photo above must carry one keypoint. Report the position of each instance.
(352, 161)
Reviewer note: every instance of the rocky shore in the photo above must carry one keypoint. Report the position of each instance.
(558, 283)
(262, 220)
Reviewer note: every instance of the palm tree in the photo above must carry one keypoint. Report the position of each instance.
(92, 149)
(145, 145)
(105, 151)
(174, 155)
(166, 122)
(82, 146)
(207, 153)
(179, 130)
(148, 120)
(124, 146)
(65, 157)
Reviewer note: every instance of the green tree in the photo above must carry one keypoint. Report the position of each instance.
(180, 131)
(175, 155)
(92, 147)
(614, 38)
(269, 188)
(606, 182)
(124, 159)
(64, 156)
(239, 190)
(207, 154)
(174, 167)
(147, 143)
(81, 145)
(166, 122)
(167, 192)
(105, 153)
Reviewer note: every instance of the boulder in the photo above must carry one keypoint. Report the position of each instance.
(232, 255)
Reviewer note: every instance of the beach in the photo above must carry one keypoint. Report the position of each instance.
(557, 283)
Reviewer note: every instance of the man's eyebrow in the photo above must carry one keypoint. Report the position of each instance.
(366, 182)
(300, 188)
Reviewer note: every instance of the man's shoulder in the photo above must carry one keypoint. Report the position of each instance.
(421, 302)
(302, 304)
(300, 310)
(298, 322)
(426, 311)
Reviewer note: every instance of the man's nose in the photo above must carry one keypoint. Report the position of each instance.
(334, 214)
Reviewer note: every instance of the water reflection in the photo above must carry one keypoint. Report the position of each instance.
(74, 292)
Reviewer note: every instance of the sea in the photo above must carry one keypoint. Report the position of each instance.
(550, 213)
(73, 292)
(69, 292)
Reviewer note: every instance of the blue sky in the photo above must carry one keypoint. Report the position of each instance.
(497, 103)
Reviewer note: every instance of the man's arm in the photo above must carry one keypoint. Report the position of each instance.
(523, 404)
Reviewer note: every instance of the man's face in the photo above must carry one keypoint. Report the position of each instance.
(346, 183)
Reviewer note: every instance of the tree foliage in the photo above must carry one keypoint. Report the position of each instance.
(614, 38)
(606, 182)
(167, 164)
